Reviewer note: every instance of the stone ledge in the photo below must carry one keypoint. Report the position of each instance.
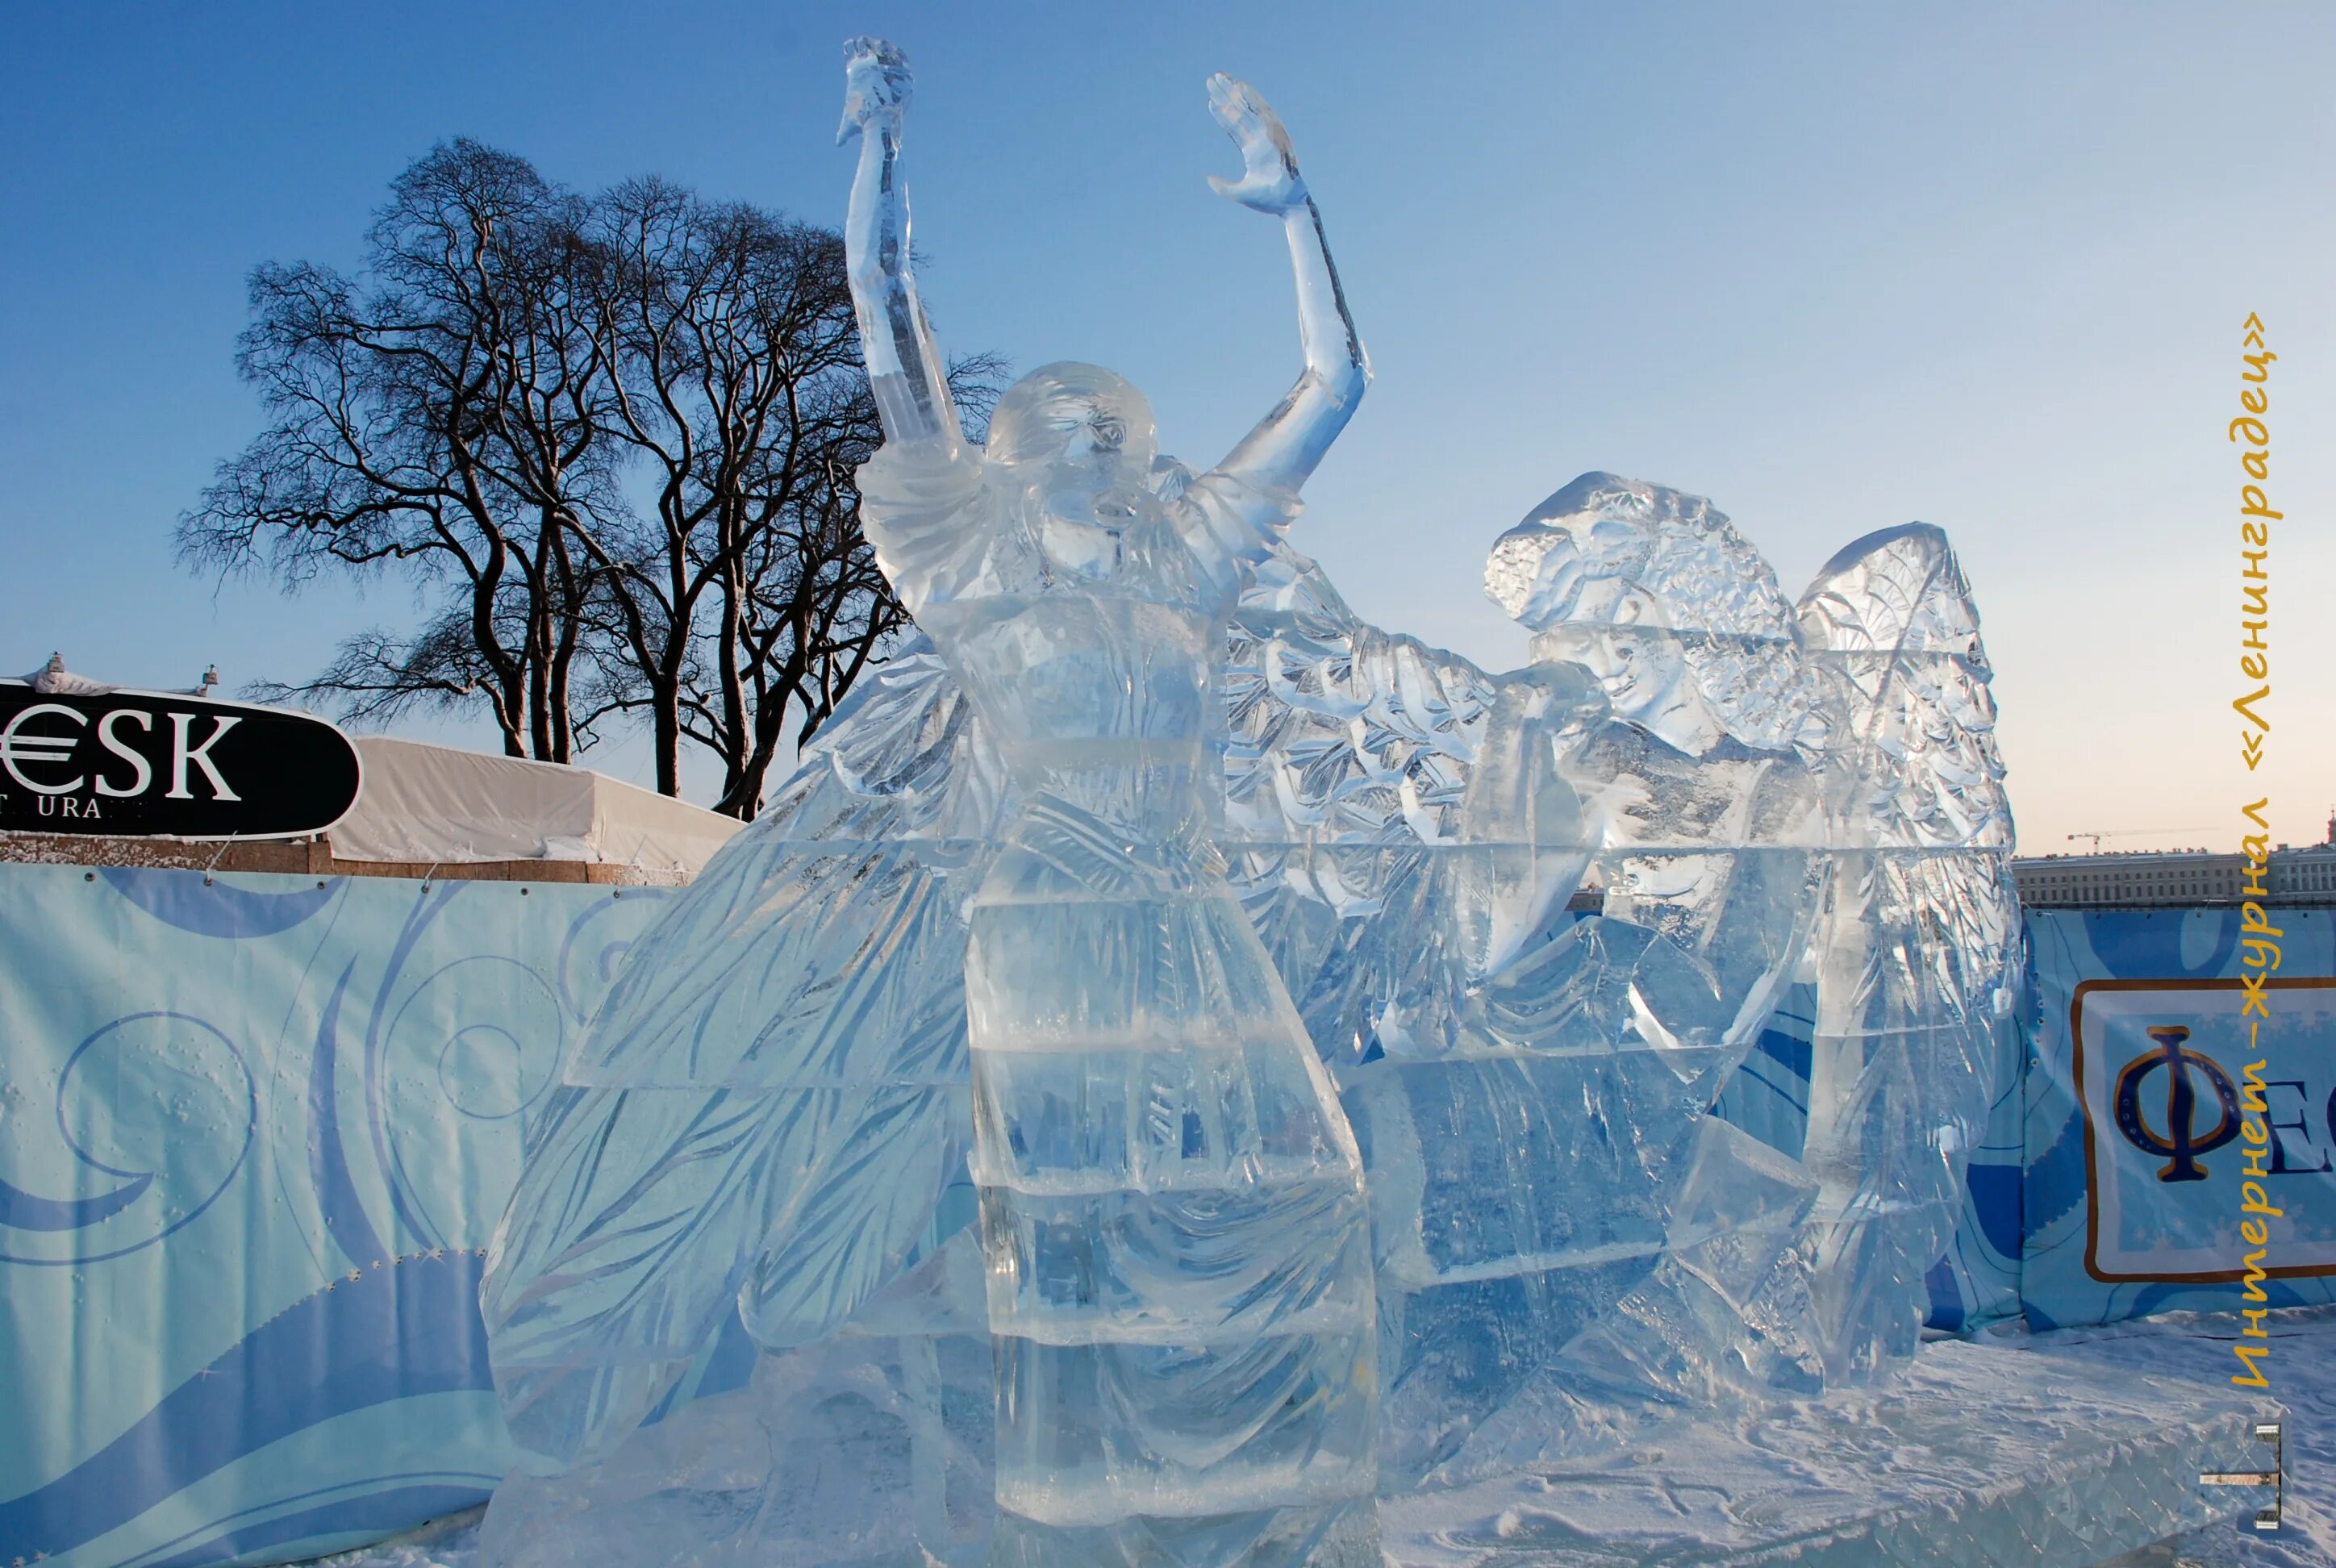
(306, 857)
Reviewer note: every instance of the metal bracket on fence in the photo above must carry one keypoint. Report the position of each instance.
(437, 863)
(2275, 1477)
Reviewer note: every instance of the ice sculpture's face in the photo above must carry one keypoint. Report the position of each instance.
(1080, 440)
(1626, 640)
(1578, 584)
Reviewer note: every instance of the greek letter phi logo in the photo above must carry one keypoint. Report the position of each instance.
(2182, 1140)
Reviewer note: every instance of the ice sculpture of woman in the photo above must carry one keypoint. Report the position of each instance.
(1178, 1266)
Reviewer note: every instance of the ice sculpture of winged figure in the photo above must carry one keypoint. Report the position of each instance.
(780, 1113)
(1172, 1224)
(1803, 790)
(799, 1017)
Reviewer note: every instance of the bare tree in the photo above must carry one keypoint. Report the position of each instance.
(748, 599)
(612, 442)
(445, 418)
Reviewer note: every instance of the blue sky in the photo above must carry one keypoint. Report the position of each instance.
(1836, 268)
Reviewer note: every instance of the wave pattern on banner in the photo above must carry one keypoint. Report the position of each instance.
(255, 1135)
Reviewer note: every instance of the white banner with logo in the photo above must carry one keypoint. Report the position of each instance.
(2181, 1114)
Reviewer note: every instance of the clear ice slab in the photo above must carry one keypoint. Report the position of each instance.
(872, 1451)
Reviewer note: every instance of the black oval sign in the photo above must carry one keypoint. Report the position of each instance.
(143, 764)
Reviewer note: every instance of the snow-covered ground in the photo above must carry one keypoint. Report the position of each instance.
(442, 1544)
(2185, 1348)
(2301, 1368)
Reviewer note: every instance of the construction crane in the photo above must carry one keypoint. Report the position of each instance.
(2138, 832)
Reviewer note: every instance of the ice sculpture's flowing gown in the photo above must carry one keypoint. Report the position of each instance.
(1178, 1259)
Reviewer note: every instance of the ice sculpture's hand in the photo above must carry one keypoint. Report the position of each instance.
(876, 85)
(1270, 181)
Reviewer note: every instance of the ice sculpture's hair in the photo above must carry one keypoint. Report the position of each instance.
(1602, 532)
(1030, 421)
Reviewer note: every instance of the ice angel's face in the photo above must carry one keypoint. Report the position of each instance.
(1080, 440)
(1630, 648)
(1626, 640)
(1091, 462)
(1073, 431)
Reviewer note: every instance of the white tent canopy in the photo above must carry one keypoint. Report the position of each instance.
(428, 804)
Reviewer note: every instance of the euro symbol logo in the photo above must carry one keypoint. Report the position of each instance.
(2181, 1140)
(19, 745)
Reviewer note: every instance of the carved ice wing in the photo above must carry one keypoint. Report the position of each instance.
(1921, 926)
(829, 923)
(766, 1108)
(1338, 731)
(1918, 803)
(1916, 769)
(1892, 617)
(1348, 757)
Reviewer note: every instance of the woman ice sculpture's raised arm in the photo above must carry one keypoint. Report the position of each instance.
(1288, 444)
(905, 368)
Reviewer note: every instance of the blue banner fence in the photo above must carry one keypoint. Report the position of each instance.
(256, 1132)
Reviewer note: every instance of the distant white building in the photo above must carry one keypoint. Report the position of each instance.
(2172, 879)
